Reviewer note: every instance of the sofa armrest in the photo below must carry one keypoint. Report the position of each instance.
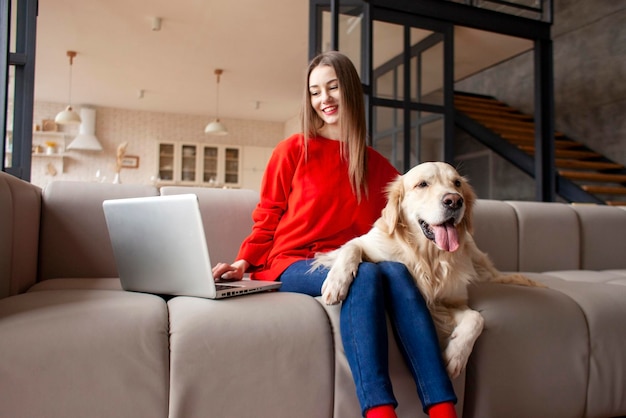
(20, 209)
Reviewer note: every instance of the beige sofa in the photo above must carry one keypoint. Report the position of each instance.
(73, 344)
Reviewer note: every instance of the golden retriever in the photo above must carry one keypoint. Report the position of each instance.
(426, 225)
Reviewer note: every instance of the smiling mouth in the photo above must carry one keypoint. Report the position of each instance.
(329, 110)
(445, 235)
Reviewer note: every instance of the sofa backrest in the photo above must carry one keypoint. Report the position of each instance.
(226, 215)
(63, 228)
(603, 237)
(540, 236)
(74, 240)
(20, 209)
(496, 232)
(549, 236)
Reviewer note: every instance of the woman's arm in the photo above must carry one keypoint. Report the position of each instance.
(275, 189)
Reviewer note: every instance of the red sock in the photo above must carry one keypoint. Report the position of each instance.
(442, 410)
(381, 411)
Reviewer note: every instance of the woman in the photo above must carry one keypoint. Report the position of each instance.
(321, 189)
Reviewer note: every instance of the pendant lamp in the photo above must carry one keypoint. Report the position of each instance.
(68, 116)
(216, 127)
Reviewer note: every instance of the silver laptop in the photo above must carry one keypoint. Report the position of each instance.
(160, 247)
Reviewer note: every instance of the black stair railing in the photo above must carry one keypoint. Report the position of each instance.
(531, 9)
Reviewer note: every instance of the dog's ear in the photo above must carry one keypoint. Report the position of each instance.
(469, 196)
(392, 213)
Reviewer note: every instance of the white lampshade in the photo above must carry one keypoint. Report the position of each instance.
(67, 117)
(215, 128)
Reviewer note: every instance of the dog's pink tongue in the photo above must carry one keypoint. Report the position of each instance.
(446, 237)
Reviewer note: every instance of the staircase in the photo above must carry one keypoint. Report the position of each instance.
(583, 175)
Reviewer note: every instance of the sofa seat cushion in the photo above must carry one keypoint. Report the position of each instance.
(601, 298)
(615, 277)
(268, 354)
(84, 353)
(531, 359)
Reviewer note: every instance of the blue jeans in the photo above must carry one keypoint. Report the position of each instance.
(380, 289)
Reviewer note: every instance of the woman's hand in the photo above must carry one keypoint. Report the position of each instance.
(235, 271)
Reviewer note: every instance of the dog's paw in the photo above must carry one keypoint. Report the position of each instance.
(455, 357)
(519, 279)
(336, 286)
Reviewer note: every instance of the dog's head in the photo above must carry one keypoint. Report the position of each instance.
(431, 199)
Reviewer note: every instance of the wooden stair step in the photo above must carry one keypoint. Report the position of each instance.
(509, 114)
(563, 153)
(591, 176)
(522, 139)
(604, 189)
(587, 165)
(484, 106)
(476, 99)
(506, 122)
(508, 129)
(505, 128)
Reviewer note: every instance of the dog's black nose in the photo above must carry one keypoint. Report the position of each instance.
(452, 201)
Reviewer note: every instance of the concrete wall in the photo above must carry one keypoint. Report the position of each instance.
(589, 41)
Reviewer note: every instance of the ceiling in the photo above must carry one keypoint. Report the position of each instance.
(260, 45)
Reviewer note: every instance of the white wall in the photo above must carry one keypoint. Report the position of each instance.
(143, 130)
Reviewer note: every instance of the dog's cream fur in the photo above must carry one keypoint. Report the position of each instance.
(427, 226)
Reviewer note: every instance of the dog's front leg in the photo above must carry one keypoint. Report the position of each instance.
(342, 273)
(469, 325)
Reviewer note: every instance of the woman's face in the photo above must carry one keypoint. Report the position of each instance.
(325, 94)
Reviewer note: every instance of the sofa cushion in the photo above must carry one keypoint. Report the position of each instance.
(226, 215)
(20, 209)
(549, 236)
(603, 232)
(496, 233)
(74, 240)
(601, 297)
(82, 353)
(83, 284)
(532, 358)
(263, 355)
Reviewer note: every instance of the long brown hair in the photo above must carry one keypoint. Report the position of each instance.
(351, 120)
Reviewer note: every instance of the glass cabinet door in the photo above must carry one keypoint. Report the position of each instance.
(189, 164)
(210, 159)
(166, 162)
(231, 172)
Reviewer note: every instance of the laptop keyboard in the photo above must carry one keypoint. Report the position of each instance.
(225, 286)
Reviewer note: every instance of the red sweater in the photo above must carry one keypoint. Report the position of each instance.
(307, 205)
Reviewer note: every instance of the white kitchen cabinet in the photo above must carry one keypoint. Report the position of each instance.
(195, 164)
